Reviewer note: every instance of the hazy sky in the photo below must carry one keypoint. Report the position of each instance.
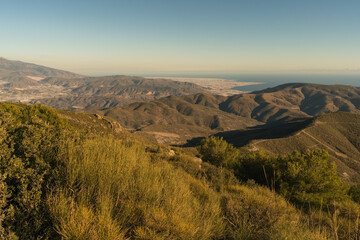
(182, 36)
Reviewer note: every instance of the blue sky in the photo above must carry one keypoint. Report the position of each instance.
(173, 36)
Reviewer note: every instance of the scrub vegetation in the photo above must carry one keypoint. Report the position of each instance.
(58, 180)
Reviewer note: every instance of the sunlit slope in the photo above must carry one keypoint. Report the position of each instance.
(177, 119)
(294, 100)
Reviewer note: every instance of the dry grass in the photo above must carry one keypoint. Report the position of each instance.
(113, 187)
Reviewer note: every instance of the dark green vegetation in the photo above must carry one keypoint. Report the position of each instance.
(302, 178)
(191, 116)
(31, 142)
(84, 178)
(308, 180)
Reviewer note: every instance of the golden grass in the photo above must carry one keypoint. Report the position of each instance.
(113, 187)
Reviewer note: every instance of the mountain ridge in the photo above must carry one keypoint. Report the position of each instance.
(32, 83)
(277, 105)
(9, 67)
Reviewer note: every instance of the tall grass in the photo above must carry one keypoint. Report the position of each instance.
(257, 213)
(113, 191)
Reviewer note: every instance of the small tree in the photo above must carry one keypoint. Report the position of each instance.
(354, 193)
(309, 177)
(217, 151)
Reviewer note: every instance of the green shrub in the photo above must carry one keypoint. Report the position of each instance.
(30, 142)
(304, 178)
(217, 151)
(309, 177)
(257, 166)
(354, 193)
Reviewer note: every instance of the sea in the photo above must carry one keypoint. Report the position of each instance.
(269, 81)
(272, 80)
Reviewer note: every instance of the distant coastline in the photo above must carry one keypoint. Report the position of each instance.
(240, 83)
(218, 86)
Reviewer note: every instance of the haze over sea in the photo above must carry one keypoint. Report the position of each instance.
(272, 80)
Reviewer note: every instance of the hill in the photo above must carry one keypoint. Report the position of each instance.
(59, 182)
(293, 101)
(177, 119)
(103, 92)
(18, 68)
(338, 133)
(31, 83)
(187, 117)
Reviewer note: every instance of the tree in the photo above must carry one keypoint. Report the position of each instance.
(309, 177)
(354, 192)
(217, 151)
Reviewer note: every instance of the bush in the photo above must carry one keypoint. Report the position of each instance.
(354, 193)
(31, 139)
(303, 178)
(217, 151)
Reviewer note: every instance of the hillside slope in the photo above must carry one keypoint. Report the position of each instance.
(294, 100)
(177, 119)
(338, 133)
(17, 68)
(58, 183)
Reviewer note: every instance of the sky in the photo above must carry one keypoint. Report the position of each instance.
(183, 36)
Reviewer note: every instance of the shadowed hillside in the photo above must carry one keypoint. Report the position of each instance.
(337, 133)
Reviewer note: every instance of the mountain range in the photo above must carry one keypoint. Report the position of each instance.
(186, 117)
(30, 83)
(106, 171)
